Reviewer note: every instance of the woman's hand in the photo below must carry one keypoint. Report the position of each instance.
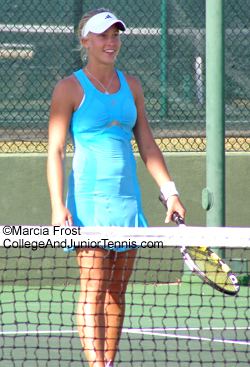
(174, 205)
(61, 216)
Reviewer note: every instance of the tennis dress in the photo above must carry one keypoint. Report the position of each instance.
(103, 189)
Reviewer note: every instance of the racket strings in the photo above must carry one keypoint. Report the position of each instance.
(212, 266)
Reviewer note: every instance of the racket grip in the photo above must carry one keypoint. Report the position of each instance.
(176, 216)
(177, 219)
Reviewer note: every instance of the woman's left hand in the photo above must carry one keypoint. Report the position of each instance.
(174, 205)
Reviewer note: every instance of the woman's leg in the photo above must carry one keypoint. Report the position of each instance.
(95, 273)
(121, 270)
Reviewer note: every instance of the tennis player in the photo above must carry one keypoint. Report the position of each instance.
(102, 107)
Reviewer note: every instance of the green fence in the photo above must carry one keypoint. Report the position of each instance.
(164, 46)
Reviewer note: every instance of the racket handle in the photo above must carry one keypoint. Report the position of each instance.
(177, 219)
(176, 216)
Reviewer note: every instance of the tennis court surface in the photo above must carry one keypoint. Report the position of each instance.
(172, 318)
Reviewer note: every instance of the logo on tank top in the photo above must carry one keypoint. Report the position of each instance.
(114, 123)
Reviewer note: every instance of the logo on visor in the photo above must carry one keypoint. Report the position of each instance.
(108, 16)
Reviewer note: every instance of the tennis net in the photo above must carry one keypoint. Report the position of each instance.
(172, 317)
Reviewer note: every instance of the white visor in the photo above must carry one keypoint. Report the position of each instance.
(99, 23)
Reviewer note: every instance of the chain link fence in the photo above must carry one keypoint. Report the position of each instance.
(164, 46)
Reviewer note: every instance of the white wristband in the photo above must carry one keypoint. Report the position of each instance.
(169, 189)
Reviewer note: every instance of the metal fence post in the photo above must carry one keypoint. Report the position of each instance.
(164, 30)
(78, 13)
(213, 198)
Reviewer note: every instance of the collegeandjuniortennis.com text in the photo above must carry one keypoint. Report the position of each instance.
(35, 237)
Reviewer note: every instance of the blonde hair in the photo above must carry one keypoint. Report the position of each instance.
(82, 24)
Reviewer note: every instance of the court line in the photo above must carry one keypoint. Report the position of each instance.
(124, 330)
(36, 332)
(146, 331)
(187, 337)
(194, 328)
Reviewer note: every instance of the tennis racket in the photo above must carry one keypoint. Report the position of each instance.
(205, 263)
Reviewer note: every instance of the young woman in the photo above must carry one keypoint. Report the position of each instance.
(102, 107)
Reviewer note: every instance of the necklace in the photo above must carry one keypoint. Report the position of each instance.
(106, 89)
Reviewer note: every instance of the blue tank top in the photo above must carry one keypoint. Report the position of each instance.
(103, 187)
(101, 113)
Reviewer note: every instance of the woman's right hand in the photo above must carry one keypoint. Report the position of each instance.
(61, 216)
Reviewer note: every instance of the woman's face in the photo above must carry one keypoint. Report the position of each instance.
(103, 47)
